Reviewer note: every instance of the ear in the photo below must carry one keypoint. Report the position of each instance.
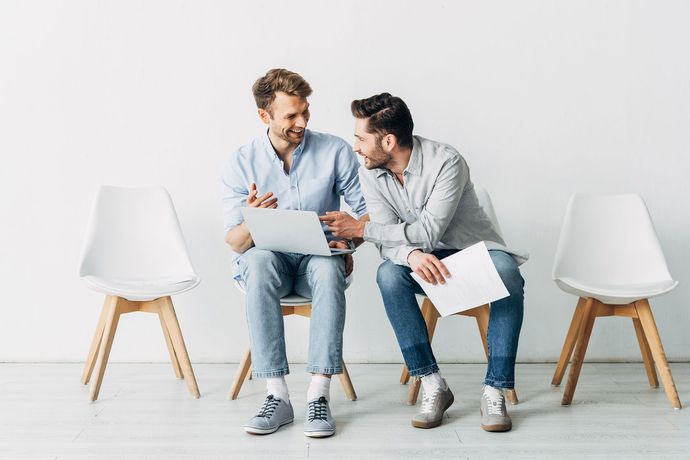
(389, 142)
(264, 116)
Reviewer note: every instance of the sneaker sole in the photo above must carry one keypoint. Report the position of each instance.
(496, 428)
(434, 424)
(319, 434)
(252, 430)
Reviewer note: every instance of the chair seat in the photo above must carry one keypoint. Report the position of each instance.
(615, 294)
(142, 289)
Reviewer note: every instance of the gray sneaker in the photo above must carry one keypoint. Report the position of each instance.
(319, 422)
(494, 414)
(273, 414)
(433, 407)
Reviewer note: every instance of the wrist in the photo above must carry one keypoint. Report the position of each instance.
(362, 226)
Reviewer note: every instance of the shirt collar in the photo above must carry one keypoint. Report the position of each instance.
(414, 166)
(271, 151)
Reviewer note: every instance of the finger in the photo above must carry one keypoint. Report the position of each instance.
(326, 218)
(261, 199)
(435, 273)
(426, 275)
(269, 203)
(441, 267)
(252, 186)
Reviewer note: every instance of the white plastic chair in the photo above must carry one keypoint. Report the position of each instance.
(136, 255)
(291, 304)
(480, 314)
(609, 256)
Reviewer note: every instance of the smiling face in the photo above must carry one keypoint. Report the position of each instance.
(287, 117)
(370, 146)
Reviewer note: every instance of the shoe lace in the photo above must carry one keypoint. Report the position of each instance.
(495, 406)
(428, 400)
(318, 409)
(269, 406)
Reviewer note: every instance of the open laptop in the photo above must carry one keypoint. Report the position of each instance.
(286, 230)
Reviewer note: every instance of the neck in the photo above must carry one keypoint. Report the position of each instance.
(282, 147)
(400, 158)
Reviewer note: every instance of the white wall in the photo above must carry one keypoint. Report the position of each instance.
(544, 98)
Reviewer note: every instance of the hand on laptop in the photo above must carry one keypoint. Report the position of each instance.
(349, 261)
(264, 201)
(343, 225)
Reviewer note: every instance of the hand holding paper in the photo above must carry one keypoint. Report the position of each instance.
(474, 281)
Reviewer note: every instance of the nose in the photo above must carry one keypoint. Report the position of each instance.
(301, 122)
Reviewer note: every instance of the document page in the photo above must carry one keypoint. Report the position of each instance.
(474, 282)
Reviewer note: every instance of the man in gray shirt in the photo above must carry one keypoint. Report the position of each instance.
(423, 207)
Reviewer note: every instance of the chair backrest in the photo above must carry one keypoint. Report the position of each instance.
(134, 234)
(485, 202)
(609, 239)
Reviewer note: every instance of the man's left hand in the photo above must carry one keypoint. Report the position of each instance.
(349, 261)
(343, 225)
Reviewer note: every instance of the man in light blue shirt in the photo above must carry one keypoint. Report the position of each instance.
(290, 167)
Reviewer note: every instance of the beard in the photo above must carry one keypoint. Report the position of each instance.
(377, 159)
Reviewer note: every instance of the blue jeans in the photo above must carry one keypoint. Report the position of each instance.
(269, 276)
(398, 290)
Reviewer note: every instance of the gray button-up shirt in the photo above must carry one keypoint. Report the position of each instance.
(436, 208)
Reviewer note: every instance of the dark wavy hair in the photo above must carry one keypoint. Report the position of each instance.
(386, 115)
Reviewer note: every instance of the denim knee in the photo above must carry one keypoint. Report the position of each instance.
(257, 261)
(509, 272)
(327, 269)
(390, 277)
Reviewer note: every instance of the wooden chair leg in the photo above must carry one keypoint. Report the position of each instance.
(431, 316)
(347, 384)
(647, 358)
(171, 350)
(173, 327)
(405, 376)
(96, 342)
(249, 374)
(241, 373)
(588, 316)
(413, 392)
(112, 318)
(569, 343)
(651, 332)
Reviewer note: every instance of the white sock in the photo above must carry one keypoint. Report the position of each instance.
(493, 393)
(432, 382)
(319, 386)
(277, 387)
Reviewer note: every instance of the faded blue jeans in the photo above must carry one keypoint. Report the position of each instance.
(268, 276)
(398, 290)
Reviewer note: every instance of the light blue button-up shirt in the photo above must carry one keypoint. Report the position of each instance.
(324, 168)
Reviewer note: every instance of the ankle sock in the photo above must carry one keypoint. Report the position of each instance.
(432, 382)
(277, 387)
(319, 386)
(493, 393)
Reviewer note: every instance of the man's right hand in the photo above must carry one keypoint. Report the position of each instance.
(263, 201)
(428, 267)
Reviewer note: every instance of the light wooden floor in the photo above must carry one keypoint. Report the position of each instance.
(144, 412)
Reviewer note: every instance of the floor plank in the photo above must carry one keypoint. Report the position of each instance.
(144, 412)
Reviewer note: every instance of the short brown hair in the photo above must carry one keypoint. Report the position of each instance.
(266, 87)
(386, 114)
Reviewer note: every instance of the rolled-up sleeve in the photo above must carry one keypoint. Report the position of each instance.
(234, 195)
(347, 180)
(403, 237)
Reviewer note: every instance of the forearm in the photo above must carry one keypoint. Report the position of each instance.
(360, 239)
(239, 238)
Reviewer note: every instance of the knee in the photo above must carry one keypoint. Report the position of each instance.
(390, 276)
(328, 270)
(257, 261)
(509, 272)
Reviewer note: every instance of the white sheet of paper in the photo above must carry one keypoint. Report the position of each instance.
(474, 282)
